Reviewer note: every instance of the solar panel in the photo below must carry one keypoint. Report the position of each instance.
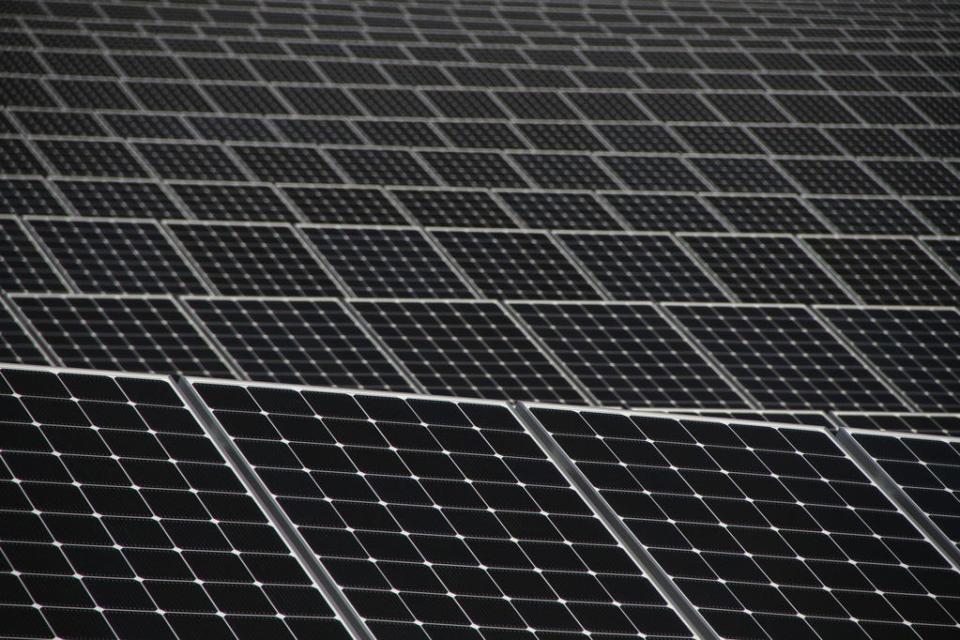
(121, 519)
(104, 199)
(465, 348)
(771, 531)
(855, 215)
(925, 423)
(253, 259)
(386, 262)
(641, 266)
(916, 349)
(887, 271)
(627, 354)
(438, 518)
(515, 264)
(123, 333)
(776, 214)
(784, 357)
(765, 268)
(809, 418)
(22, 265)
(297, 340)
(16, 345)
(925, 469)
(116, 256)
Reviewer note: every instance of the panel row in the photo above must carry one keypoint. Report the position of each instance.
(432, 207)
(537, 131)
(215, 509)
(272, 259)
(478, 169)
(640, 355)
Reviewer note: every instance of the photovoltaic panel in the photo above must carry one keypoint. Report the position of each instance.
(465, 348)
(941, 424)
(771, 531)
(887, 271)
(116, 256)
(515, 264)
(254, 259)
(641, 266)
(122, 333)
(766, 268)
(658, 212)
(297, 340)
(923, 467)
(16, 345)
(627, 354)
(121, 519)
(918, 349)
(386, 262)
(809, 418)
(784, 357)
(776, 214)
(439, 518)
(22, 266)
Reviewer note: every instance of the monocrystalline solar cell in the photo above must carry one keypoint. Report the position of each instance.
(641, 266)
(439, 518)
(784, 357)
(627, 354)
(387, 262)
(766, 268)
(122, 333)
(116, 256)
(254, 259)
(917, 349)
(465, 348)
(772, 532)
(297, 340)
(121, 519)
(516, 264)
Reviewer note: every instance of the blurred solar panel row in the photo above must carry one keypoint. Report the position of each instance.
(115, 255)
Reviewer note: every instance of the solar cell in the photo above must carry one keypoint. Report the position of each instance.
(627, 354)
(771, 531)
(122, 519)
(439, 518)
(386, 262)
(253, 259)
(515, 264)
(465, 348)
(116, 256)
(918, 349)
(784, 357)
(121, 333)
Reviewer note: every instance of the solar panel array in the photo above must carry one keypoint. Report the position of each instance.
(744, 211)
(138, 504)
